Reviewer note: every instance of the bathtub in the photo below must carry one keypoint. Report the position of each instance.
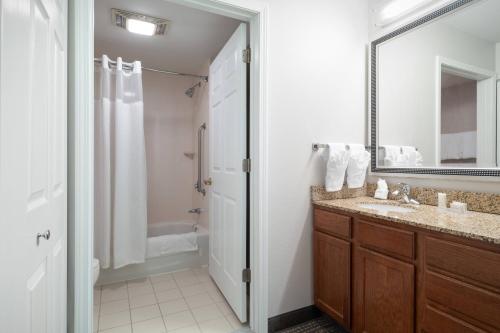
(163, 263)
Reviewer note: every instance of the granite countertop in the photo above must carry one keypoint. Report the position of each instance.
(474, 225)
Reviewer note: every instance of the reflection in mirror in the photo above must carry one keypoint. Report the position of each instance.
(458, 120)
(437, 88)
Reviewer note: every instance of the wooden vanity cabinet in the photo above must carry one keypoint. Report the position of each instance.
(459, 286)
(332, 279)
(332, 265)
(384, 292)
(376, 276)
(384, 275)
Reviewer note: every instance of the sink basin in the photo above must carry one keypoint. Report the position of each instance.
(384, 208)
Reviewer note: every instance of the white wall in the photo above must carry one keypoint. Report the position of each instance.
(407, 65)
(168, 128)
(317, 93)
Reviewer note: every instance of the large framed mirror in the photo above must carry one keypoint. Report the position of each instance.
(435, 93)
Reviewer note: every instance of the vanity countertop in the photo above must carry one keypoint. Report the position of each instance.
(474, 225)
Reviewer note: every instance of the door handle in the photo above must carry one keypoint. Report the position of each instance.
(45, 235)
(208, 181)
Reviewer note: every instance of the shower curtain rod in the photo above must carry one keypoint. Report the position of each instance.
(130, 66)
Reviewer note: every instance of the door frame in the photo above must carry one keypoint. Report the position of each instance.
(80, 155)
(486, 94)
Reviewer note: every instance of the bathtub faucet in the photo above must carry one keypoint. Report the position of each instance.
(195, 211)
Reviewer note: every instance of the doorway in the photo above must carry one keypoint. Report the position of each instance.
(255, 15)
(464, 131)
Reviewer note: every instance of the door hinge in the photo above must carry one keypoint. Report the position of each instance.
(247, 55)
(247, 275)
(247, 165)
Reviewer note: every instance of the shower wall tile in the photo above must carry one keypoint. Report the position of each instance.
(168, 124)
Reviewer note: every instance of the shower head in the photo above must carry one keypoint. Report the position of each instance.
(190, 91)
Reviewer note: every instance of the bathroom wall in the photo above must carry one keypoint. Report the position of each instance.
(200, 116)
(317, 93)
(168, 126)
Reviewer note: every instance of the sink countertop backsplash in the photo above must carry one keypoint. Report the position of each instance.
(476, 201)
(473, 225)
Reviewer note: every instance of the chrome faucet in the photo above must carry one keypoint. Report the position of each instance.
(404, 191)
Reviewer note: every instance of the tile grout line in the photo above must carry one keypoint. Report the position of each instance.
(214, 301)
(158, 304)
(99, 310)
(190, 309)
(129, 308)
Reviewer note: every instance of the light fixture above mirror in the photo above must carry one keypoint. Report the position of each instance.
(392, 10)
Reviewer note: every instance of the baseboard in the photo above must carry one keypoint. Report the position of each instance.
(293, 318)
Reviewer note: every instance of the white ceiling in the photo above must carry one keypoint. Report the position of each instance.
(193, 38)
(481, 20)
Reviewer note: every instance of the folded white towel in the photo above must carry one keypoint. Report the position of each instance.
(359, 159)
(392, 155)
(411, 153)
(336, 164)
(419, 160)
(403, 160)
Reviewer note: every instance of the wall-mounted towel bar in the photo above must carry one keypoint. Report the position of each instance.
(318, 146)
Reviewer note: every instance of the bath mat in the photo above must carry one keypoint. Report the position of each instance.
(319, 325)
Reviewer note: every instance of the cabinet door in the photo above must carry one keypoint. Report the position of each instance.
(384, 291)
(332, 261)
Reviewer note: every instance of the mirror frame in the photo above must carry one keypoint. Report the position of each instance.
(488, 172)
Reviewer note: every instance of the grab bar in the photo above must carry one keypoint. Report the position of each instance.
(199, 184)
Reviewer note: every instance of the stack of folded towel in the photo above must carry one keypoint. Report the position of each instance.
(353, 159)
(402, 156)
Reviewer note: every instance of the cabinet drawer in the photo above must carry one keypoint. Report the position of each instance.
(481, 305)
(332, 223)
(475, 265)
(437, 321)
(385, 239)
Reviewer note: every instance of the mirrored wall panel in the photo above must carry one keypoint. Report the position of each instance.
(437, 91)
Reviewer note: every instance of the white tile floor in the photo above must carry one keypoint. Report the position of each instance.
(179, 302)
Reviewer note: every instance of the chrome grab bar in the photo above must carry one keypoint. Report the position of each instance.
(199, 184)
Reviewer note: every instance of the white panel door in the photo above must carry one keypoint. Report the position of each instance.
(33, 165)
(227, 195)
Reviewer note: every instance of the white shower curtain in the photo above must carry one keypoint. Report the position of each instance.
(120, 186)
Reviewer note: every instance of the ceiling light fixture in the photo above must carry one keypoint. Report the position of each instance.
(141, 27)
(139, 23)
